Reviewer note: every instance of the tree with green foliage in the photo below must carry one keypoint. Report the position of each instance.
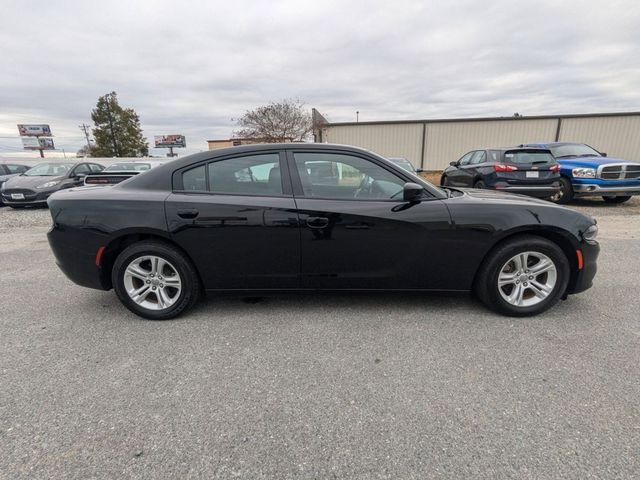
(117, 130)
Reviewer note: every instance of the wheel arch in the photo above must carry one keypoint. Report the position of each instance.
(562, 238)
(124, 240)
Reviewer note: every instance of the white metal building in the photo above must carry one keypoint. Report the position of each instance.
(432, 144)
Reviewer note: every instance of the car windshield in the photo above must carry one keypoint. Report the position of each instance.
(574, 150)
(528, 157)
(49, 170)
(404, 164)
(129, 167)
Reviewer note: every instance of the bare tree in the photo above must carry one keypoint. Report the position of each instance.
(276, 122)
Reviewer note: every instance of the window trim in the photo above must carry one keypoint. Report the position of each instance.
(178, 187)
(298, 190)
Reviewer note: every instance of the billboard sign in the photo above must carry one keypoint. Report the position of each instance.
(31, 143)
(170, 141)
(34, 130)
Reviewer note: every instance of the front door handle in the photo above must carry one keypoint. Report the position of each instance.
(317, 222)
(188, 213)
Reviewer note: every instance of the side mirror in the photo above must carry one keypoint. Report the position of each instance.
(453, 164)
(419, 170)
(412, 192)
(79, 176)
(603, 154)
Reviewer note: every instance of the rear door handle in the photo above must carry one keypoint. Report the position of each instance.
(317, 222)
(188, 213)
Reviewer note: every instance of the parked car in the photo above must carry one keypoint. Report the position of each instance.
(586, 172)
(34, 186)
(118, 172)
(200, 224)
(405, 163)
(8, 170)
(528, 171)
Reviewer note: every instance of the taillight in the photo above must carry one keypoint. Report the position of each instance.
(555, 168)
(499, 167)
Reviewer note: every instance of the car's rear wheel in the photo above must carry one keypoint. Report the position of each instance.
(565, 194)
(155, 280)
(523, 276)
(621, 199)
(479, 184)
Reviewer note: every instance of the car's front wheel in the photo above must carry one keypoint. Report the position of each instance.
(621, 199)
(523, 276)
(155, 280)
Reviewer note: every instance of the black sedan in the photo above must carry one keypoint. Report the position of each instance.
(258, 219)
(33, 187)
(8, 170)
(528, 171)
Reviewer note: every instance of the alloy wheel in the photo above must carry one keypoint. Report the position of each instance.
(152, 282)
(527, 279)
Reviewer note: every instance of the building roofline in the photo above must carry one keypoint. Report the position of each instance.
(484, 119)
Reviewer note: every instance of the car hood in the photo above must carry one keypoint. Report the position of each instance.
(591, 162)
(23, 181)
(7, 177)
(504, 197)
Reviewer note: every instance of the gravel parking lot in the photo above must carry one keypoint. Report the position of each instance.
(318, 387)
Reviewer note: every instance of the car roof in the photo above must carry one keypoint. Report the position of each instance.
(551, 144)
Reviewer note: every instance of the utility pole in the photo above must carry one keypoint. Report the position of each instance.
(85, 129)
(109, 96)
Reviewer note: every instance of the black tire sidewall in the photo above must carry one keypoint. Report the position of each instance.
(480, 185)
(567, 191)
(487, 284)
(190, 285)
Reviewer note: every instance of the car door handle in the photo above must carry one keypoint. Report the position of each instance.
(188, 213)
(317, 222)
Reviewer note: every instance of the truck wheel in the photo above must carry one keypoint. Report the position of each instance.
(616, 199)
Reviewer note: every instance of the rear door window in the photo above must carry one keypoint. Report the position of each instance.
(247, 175)
(195, 179)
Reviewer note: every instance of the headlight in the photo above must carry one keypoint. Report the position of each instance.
(590, 233)
(49, 184)
(584, 172)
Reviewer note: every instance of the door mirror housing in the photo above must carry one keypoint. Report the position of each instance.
(412, 192)
(603, 154)
(453, 164)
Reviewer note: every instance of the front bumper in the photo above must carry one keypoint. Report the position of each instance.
(595, 189)
(39, 199)
(583, 279)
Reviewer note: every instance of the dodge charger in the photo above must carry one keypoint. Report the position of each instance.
(259, 219)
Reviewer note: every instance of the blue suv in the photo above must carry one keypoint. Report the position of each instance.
(586, 172)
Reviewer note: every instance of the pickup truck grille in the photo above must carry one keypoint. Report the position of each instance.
(620, 172)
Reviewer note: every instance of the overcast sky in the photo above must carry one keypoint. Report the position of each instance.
(192, 66)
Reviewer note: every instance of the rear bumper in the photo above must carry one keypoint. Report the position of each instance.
(584, 277)
(532, 191)
(77, 262)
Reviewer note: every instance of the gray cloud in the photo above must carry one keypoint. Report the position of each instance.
(190, 67)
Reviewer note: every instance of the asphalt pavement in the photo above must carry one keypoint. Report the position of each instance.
(334, 386)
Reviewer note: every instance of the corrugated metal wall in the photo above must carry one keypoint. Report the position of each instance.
(617, 136)
(404, 140)
(446, 141)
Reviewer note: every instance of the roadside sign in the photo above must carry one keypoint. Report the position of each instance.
(170, 141)
(40, 130)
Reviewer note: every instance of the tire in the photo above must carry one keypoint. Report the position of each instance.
(443, 181)
(179, 294)
(499, 260)
(480, 185)
(565, 195)
(616, 199)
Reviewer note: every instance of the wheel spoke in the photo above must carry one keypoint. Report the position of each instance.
(506, 279)
(163, 299)
(137, 271)
(540, 290)
(542, 266)
(515, 298)
(140, 295)
(173, 281)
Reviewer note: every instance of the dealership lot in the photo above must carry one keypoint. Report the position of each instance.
(318, 387)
